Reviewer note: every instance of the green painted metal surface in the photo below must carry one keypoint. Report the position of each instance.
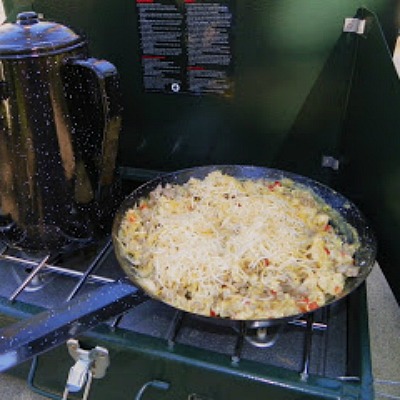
(370, 146)
(192, 373)
(279, 51)
(189, 373)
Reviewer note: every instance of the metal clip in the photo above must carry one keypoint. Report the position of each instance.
(354, 25)
(330, 162)
(89, 364)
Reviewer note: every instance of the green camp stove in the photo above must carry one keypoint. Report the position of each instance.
(305, 87)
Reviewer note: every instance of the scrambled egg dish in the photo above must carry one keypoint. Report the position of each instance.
(239, 249)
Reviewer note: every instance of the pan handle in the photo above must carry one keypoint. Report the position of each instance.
(48, 329)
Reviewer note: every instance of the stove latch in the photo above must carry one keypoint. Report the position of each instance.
(89, 364)
(354, 25)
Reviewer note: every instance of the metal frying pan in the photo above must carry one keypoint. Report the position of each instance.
(364, 257)
(51, 328)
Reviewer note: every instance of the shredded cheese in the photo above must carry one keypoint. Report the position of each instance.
(239, 249)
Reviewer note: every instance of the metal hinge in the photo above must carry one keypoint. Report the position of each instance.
(354, 25)
(330, 162)
(89, 364)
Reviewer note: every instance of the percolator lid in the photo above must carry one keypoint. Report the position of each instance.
(31, 37)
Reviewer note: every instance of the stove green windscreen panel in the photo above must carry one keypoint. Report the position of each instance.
(220, 81)
(370, 145)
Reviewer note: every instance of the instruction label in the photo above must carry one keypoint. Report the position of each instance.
(186, 46)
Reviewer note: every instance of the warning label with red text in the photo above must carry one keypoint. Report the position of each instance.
(186, 46)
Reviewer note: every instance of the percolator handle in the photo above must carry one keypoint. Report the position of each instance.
(108, 80)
